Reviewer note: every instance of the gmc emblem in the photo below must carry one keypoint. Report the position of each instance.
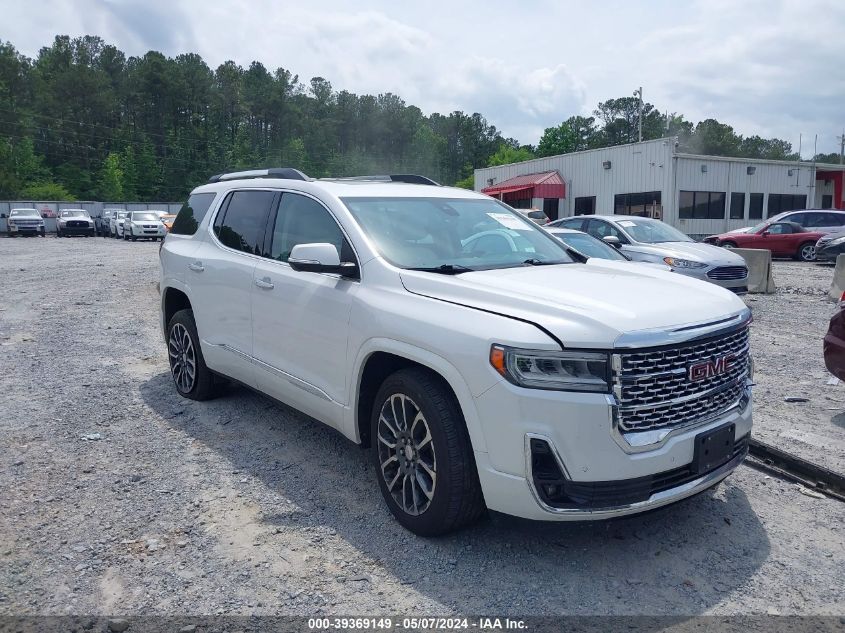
(709, 368)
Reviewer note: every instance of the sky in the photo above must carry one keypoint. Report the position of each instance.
(767, 67)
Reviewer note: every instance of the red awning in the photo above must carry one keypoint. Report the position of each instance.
(548, 184)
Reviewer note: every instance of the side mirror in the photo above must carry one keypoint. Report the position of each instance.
(612, 240)
(765, 234)
(320, 258)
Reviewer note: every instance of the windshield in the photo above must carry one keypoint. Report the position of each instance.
(590, 246)
(461, 233)
(651, 231)
(122, 214)
(144, 217)
(24, 212)
(75, 213)
(759, 227)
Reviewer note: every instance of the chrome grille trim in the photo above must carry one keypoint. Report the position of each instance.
(653, 391)
(728, 272)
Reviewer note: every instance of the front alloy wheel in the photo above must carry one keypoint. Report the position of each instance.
(183, 358)
(807, 253)
(406, 454)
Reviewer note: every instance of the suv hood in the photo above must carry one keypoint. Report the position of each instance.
(583, 305)
(695, 251)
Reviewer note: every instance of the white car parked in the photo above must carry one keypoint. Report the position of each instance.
(24, 222)
(75, 222)
(516, 380)
(116, 223)
(143, 225)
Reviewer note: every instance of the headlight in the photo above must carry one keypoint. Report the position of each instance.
(562, 371)
(837, 241)
(674, 262)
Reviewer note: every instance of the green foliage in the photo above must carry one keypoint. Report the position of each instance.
(84, 116)
(466, 183)
(111, 179)
(46, 191)
(507, 154)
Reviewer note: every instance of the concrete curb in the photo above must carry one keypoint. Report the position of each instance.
(759, 263)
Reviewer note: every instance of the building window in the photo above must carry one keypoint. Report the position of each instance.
(755, 206)
(551, 207)
(737, 206)
(585, 205)
(701, 205)
(827, 201)
(779, 202)
(646, 204)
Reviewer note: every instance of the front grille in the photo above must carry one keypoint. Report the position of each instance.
(558, 492)
(654, 391)
(728, 272)
(77, 224)
(27, 223)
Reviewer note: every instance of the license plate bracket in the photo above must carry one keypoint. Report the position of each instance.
(714, 448)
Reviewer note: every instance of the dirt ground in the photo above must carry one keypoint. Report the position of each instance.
(120, 497)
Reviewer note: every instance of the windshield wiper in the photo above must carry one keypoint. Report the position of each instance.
(445, 269)
(533, 261)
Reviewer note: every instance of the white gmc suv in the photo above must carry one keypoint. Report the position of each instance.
(482, 365)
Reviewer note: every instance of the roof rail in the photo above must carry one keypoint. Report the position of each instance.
(284, 173)
(412, 179)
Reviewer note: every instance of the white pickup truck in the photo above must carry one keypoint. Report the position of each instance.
(462, 344)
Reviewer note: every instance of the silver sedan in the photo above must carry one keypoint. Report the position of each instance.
(649, 240)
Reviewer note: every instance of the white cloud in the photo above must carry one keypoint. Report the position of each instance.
(768, 67)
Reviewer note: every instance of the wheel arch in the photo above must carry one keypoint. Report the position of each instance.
(172, 300)
(380, 360)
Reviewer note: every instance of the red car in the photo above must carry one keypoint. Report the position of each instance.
(784, 239)
(834, 343)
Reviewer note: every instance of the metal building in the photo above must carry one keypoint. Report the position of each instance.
(700, 195)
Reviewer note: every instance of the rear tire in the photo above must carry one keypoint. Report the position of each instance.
(807, 252)
(422, 454)
(193, 379)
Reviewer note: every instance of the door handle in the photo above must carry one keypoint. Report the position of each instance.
(196, 266)
(264, 283)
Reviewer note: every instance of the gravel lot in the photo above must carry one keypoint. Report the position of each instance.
(119, 497)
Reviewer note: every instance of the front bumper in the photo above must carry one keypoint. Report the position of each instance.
(77, 230)
(591, 452)
(829, 253)
(25, 230)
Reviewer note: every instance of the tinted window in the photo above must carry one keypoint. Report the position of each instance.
(823, 219)
(755, 206)
(575, 224)
(303, 220)
(701, 205)
(241, 222)
(785, 202)
(737, 206)
(536, 215)
(600, 229)
(191, 214)
(585, 205)
(590, 246)
(647, 204)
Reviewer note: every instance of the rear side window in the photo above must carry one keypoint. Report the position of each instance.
(191, 214)
(302, 220)
(576, 224)
(241, 221)
(536, 215)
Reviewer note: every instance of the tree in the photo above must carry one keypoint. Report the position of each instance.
(46, 191)
(507, 154)
(573, 135)
(714, 138)
(111, 179)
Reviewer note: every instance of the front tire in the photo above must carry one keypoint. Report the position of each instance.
(190, 374)
(422, 454)
(728, 244)
(807, 252)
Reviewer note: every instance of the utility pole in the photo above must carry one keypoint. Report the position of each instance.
(842, 147)
(639, 93)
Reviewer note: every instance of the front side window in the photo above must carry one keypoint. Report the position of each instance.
(780, 228)
(191, 214)
(600, 229)
(241, 221)
(433, 233)
(303, 220)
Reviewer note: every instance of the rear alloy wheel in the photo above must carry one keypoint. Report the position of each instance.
(807, 252)
(190, 374)
(422, 454)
